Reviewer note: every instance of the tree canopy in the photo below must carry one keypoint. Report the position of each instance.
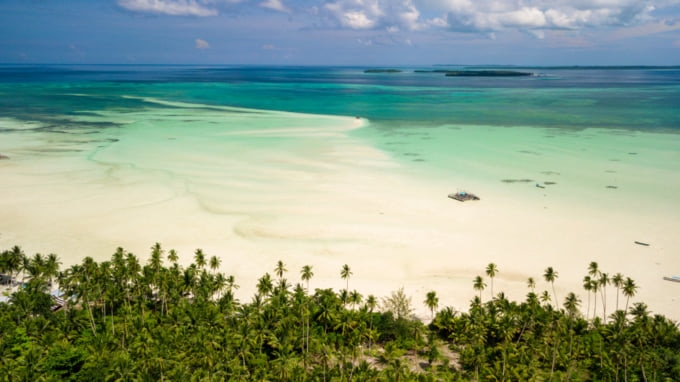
(124, 319)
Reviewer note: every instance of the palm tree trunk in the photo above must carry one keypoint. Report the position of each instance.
(554, 355)
(617, 297)
(554, 360)
(92, 324)
(604, 304)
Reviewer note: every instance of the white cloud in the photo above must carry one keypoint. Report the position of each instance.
(375, 14)
(171, 7)
(358, 20)
(276, 5)
(403, 16)
(494, 15)
(202, 44)
(490, 15)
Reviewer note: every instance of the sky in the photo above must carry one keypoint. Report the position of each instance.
(341, 32)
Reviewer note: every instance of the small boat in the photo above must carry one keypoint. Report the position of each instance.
(463, 196)
(672, 278)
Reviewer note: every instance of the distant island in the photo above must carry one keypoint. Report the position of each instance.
(478, 73)
(382, 71)
(461, 73)
(486, 73)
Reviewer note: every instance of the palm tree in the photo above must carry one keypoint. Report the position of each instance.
(531, 283)
(550, 276)
(588, 286)
(491, 271)
(571, 304)
(602, 283)
(156, 259)
(545, 297)
(155, 264)
(343, 295)
(231, 283)
(345, 273)
(172, 256)
(617, 280)
(35, 266)
(479, 285)
(432, 302)
(264, 285)
(371, 304)
(219, 282)
(306, 274)
(85, 287)
(639, 311)
(215, 263)
(593, 269)
(51, 267)
(199, 258)
(595, 287)
(355, 298)
(629, 290)
(280, 269)
(594, 273)
(14, 260)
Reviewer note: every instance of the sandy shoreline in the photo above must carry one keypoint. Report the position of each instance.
(322, 198)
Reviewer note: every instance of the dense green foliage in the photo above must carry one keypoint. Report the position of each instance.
(126, 321)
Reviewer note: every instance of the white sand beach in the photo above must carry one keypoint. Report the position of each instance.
(255, 187)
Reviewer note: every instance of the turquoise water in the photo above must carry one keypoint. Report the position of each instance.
(612, 128)
(643, 99)
(577, 130)
(407, 103)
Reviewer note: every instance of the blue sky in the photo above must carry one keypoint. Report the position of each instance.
(341, 32)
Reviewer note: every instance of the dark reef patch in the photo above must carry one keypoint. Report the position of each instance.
(517, 180)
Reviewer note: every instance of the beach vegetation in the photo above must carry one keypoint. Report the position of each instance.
(346, 273)
(132, 319)
(478, 284)
(431, 301)
(491, 271)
